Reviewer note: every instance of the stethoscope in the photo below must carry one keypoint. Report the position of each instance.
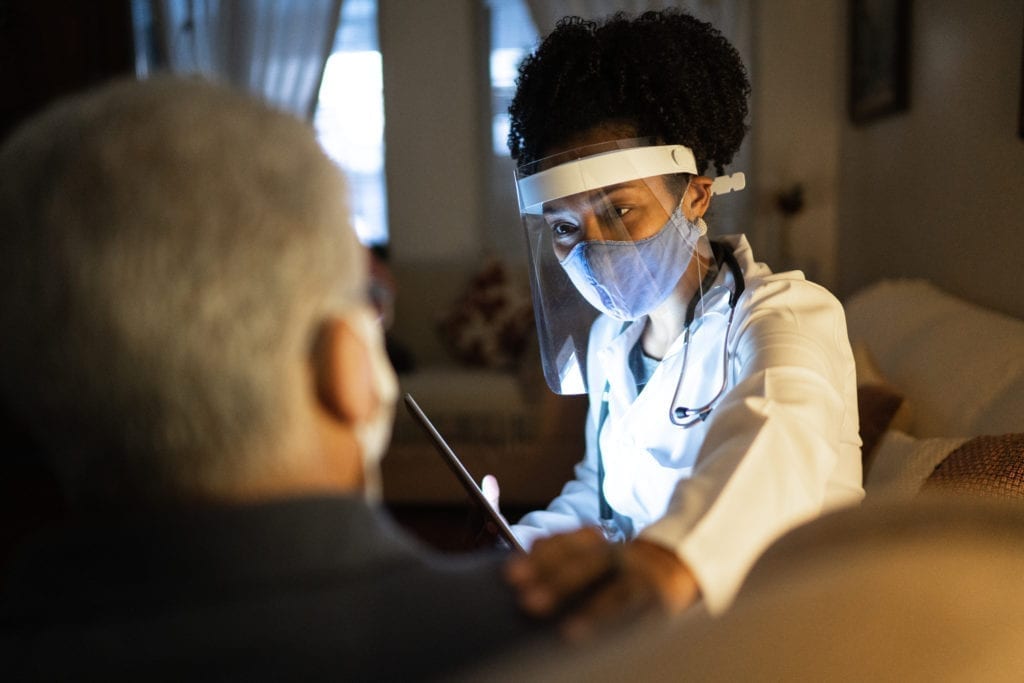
(679, 415)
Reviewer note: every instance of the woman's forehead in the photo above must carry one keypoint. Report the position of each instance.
(637, 190)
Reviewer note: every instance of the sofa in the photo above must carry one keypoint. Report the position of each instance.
(937, 375)
(941, 392)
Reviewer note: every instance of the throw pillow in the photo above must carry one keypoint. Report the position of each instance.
(990, 466)
(880, 405)
(490, 323)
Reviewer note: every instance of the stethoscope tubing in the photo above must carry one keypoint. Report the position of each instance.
(682, 416)
(679, 416)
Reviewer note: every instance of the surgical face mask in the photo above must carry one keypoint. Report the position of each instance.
(374, 434)
(628, 279)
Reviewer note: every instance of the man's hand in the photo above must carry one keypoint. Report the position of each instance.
(591, 583)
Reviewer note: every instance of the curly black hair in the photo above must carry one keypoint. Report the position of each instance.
(666, 74)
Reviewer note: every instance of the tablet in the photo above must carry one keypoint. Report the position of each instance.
(463, 475)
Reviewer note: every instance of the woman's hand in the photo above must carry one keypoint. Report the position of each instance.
(492, 492)
(590, 583)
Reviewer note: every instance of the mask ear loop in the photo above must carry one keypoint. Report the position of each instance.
(706, 278)
(702, 230)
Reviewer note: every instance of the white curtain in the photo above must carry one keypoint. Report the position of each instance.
(273, 48)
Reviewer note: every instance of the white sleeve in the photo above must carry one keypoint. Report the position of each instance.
(782, 445)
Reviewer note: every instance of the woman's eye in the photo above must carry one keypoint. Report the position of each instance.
(562, 230)
(616, 210)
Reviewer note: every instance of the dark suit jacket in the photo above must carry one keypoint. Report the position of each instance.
(320, 588)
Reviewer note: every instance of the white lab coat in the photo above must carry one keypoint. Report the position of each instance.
(780, 447)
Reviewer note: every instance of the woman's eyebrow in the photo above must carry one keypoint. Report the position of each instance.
(549, 210)
(593, 197)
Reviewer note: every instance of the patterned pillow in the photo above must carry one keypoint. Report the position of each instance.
(989, 466)
(490, 323)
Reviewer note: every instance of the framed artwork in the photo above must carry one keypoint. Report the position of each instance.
(879, 58)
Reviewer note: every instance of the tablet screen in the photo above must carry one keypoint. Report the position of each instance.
(463, 475)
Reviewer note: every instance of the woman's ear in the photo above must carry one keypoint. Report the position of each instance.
(697, 198)
(343, 375)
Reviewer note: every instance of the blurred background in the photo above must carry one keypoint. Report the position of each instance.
(886, 140)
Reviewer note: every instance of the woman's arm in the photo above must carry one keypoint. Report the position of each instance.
(783, 445)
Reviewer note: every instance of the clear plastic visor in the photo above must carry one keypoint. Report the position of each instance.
(606, 237)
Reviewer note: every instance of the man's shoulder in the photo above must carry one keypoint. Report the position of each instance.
(350, 591)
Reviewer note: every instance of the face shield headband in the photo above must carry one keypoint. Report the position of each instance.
(599, 170)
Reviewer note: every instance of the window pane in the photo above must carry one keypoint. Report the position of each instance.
(513, 36)
(349, 118)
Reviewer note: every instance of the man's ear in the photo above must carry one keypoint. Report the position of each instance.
(697, 198)
(342, 372)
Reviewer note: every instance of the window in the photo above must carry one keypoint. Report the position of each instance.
(513, 36)
(349, 118)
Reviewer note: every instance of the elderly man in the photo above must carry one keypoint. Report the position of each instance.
(186, 336)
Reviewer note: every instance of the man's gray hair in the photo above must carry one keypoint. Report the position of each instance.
(167, 249)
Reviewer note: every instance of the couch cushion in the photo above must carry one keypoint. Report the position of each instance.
(960, 366)
(903, 463)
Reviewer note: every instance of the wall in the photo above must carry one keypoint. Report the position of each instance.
(938, 192)
(796, 113)
(933, 192)
(434, 91)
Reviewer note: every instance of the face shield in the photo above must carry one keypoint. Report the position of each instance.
(606, 235)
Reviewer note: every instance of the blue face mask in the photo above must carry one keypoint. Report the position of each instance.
(627, 280)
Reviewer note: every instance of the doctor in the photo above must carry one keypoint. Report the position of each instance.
(722, 396)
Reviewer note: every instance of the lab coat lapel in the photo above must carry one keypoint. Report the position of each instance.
(645, 420)
(614, 358)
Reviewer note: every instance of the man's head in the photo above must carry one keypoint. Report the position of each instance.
(663, 75)
(178, 285)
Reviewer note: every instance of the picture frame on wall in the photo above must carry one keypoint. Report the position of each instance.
(879, 58)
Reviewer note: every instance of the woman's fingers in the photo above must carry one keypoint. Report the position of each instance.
(491, 490)
(559, 569)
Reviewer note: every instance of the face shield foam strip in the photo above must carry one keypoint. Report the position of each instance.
(724, 184)
(602, 170)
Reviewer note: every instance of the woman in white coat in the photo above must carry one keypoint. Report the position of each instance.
(722, 395)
